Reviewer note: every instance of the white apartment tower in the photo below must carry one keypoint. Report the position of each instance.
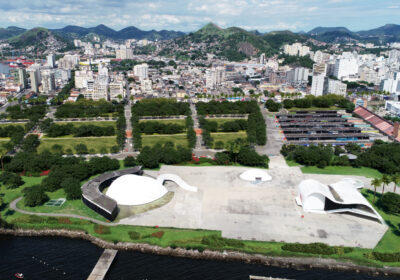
(319, 85)
(141, 71)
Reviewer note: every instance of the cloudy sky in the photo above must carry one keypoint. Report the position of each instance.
(189, 15)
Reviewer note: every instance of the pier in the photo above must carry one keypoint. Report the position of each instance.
(254, 277)
(103, 265)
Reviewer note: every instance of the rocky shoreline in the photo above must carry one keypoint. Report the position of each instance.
(282, 262)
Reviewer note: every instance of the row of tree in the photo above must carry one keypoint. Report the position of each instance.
(385, 157)
(225, 107)
(190, 133)
(57, 130)
(230, 126)
(160, 107)
(121, 129)
(32, 113)
(84, 108)
(151, 127)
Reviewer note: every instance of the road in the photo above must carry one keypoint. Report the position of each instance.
(274, 137)
(13, 206)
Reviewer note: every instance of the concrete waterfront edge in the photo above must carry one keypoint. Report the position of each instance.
(283, 262)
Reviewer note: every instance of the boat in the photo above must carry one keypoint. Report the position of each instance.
(19, 275)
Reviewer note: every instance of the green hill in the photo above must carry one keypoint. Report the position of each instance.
(29, 38)
(236, 44)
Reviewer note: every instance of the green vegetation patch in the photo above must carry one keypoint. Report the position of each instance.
(343, 170)
(177, 139)
(95, 145)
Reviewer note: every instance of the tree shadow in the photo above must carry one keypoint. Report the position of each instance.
(9, 212)
(395, 229)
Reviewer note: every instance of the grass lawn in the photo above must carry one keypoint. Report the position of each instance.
(69, 207)
(177, 139)
(228, 136)
(166, 121)
(94, 144)
(391, 240)
(222, 121)
(343, 170)
(313, 109)
(292, 163)
(100, 123)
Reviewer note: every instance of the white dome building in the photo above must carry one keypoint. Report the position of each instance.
(255, 175)
(135, 190)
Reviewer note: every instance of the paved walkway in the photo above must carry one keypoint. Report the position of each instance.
(13, 206)
(274, 138)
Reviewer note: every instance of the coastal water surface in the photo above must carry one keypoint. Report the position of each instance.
(63, 258)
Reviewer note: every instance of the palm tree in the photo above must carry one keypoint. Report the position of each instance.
(396, 180)
(385, 182)
(376, 183)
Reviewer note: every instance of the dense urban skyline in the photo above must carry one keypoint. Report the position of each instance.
(191, 15)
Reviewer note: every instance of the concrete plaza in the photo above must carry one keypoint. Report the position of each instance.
(264, 212)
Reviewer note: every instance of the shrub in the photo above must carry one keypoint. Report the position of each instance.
(386, 257)
(391, 203)
(52, 220)
(130, 161)
(219, 145)
(157, 234)
(72, 188)
(312, 248)
(100, 229)
(216, 241)
(64, 220)
(134, 235)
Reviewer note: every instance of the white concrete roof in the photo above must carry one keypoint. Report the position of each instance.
(344, 192)
(135, 190)
(255, 174)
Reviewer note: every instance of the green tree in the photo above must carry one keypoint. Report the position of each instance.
(35, 196)
(385, 181)
(376, 183)
(395, 180)
(72, 188)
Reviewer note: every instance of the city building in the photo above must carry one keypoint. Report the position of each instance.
(346, 65)
(215, 76)
(336, 87)
(116, 91)
(297, 75)
(22, 78)
(319, 85)
(51, 60)
(296, 49)
(393, 107)
(48, 81)
(141, 71)
(35, 79)
(320, 69)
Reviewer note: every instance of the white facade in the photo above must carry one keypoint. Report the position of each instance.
(51, 60)
(318, 86)
(22, 78)
(215, 76)
(296, 49)
(146, 85)
(336, 87)
(81, 78)
(124, 53)
(346, 65)
(141, 71)
(298, 75)
(393, 107)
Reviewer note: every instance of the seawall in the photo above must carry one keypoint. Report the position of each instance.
(283, 262)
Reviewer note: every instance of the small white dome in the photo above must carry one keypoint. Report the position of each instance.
(135, 190)
(255, 175)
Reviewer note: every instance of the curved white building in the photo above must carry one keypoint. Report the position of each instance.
(255, 175)
(342, 196)
(135, 190)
